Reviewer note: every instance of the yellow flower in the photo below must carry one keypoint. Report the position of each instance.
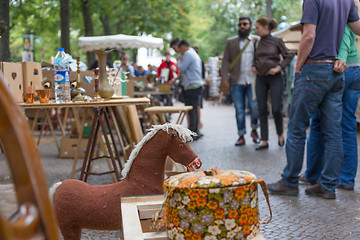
(212, 204)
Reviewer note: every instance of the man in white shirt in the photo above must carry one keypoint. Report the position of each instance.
(236, 73)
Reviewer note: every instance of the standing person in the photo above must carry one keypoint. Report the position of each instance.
(317, 85)
(196, 48)
(127, 67)
(269, 67)
(189, 64)
(173, 72)
(236, 72)
(315, 143)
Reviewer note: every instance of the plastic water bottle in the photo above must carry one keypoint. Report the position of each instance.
(61, 77)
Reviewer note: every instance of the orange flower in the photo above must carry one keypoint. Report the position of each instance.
(251, 220)
(246, 230)
(201, 202)
(188, 233)
(194, 196)
(196, 237)
(191, 205)
(243, 209)
(239, 193)
(248, 179)
(212, 204)
(233, 214)
(203, 192)
(243, 220)
(176, 222)
(226, 182)
(219, 213)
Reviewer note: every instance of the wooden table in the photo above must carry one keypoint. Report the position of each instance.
(101, 120)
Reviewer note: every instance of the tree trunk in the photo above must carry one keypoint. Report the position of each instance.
(65, 24)
(107, 31)
(4, 30)
(269, 12)
(89, 31)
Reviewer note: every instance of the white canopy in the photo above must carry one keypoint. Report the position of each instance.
(119, 41)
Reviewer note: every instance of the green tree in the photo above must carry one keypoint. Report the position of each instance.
(4, 30)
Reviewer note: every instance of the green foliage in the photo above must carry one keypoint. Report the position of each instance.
(206, 23)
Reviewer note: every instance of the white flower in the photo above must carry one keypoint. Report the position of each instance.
(229, 224)
(175, 231)
(238, 229)
(181, 207)
(170, 234)
(214, 230)
(172, 202)
(210, 238)
(253, 203)
(180, 237)
(219, 222)
(231, 234)
(177, 197)
(186, 200)
(214, 190)
(204, 181)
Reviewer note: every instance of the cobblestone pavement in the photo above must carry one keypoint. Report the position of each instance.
(301, 217)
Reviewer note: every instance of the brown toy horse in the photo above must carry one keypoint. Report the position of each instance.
(79, 205)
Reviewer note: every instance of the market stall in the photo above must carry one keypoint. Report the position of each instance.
(119, 41)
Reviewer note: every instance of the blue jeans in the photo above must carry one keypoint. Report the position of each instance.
(316, 86)
(315, 144)
(238, 94)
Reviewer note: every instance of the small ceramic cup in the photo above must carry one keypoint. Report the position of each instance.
(29, 97)
(44, 95)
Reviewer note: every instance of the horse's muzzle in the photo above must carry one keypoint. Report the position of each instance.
(195, 164)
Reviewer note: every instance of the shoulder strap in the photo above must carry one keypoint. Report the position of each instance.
(238, 56)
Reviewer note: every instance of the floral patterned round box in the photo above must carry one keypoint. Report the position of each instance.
(213, 204)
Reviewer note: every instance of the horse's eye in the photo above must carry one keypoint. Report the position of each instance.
(174, 135)
(181, 145)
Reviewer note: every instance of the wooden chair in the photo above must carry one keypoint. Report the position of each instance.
(35, 218)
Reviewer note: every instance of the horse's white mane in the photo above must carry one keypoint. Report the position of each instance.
(184, 134)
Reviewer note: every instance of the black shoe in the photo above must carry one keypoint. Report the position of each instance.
(261, 147)
(281, 143)
(317, 191)
(346, 187)
(240, 141)
(279, 188)
(195, 138)
(255, 136)
(303, 179)
(200, 134)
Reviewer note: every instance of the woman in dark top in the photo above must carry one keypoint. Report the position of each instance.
(268, 67)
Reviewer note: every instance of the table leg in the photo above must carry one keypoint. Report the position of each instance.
(80, 129)
(91, 141)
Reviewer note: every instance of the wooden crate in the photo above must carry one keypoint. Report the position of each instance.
(136, 213)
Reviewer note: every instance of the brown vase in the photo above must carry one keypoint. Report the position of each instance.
(105, 90)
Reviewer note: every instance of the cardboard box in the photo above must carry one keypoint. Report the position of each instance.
(88, 84)
(69, 146)
(14, 76)
(164, 88)
(32, 76)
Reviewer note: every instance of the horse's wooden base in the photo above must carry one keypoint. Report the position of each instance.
(136, 213)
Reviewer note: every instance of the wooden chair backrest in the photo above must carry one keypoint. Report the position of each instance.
(35, 217)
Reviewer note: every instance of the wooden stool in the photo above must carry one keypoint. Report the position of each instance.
(160, 110)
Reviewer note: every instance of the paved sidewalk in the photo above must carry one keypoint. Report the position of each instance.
(301, 217)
